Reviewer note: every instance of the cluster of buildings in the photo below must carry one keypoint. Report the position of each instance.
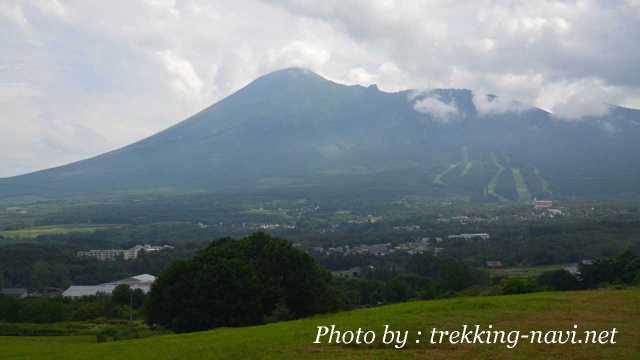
(481, 236)
(369, 219)
(548, 209)
(419, 246)
(275, 226)
(142, 282)
(121, 254)
(542, 204)
(422, 245)
(407, 228)
(267, 226)
(463, 220)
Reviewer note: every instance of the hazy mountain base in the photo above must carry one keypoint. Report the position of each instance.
(292, 129)
(597, 310)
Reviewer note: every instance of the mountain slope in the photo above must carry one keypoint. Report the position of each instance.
(295, 128)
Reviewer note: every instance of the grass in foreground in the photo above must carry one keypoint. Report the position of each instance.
(596, 310)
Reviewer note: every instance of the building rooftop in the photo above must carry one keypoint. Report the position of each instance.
(142, 282)
(144, 278)
(15, 292)
(92, 290)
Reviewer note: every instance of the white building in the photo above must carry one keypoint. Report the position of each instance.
(483, 236)
(142, 282)
(91, 290)
(125, 254)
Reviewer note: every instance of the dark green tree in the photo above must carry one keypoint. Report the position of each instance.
(121, 295)
(239, 282)
(558, 280)
(137, 298)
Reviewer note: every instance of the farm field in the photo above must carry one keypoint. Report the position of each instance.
(33, 232)
(590, 310)
(526, 271)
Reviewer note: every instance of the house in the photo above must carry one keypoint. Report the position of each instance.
(103, 254)
(48, 292)
(542, 204)
(350, 273)
(493, 264)
(483, 236)
(142, 282)
(375, 249)
(572, 269)
(555, 212)
(18, 293)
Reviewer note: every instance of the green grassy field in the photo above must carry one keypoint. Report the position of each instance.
(590, 310)
(467, 168)
(36, 231)
(546, 188)
(526, 271)
(491, 187)
(438, 180)
(466, 164)
(521, 185)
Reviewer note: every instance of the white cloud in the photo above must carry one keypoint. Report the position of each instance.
(56, 139)
(300, 54)
(13, 13)
(491, 104)
(440, 111)
(53, 7)
(361, 76)
(184, 79)
(578, 99)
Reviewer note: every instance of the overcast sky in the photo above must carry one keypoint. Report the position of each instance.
(80, 77)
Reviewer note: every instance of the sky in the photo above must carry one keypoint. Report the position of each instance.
(81, 77)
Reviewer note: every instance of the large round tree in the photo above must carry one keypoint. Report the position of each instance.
(239, 282)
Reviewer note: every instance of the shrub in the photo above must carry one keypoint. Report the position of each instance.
(515, 285)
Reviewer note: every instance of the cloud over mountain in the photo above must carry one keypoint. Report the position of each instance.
(439, 110)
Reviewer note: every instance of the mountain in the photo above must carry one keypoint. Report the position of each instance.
(294, 129)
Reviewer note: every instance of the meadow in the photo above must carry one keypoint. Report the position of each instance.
(590, 310)
(34, 232)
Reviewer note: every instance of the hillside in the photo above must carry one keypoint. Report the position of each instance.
(590, 310)
(294, 129)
